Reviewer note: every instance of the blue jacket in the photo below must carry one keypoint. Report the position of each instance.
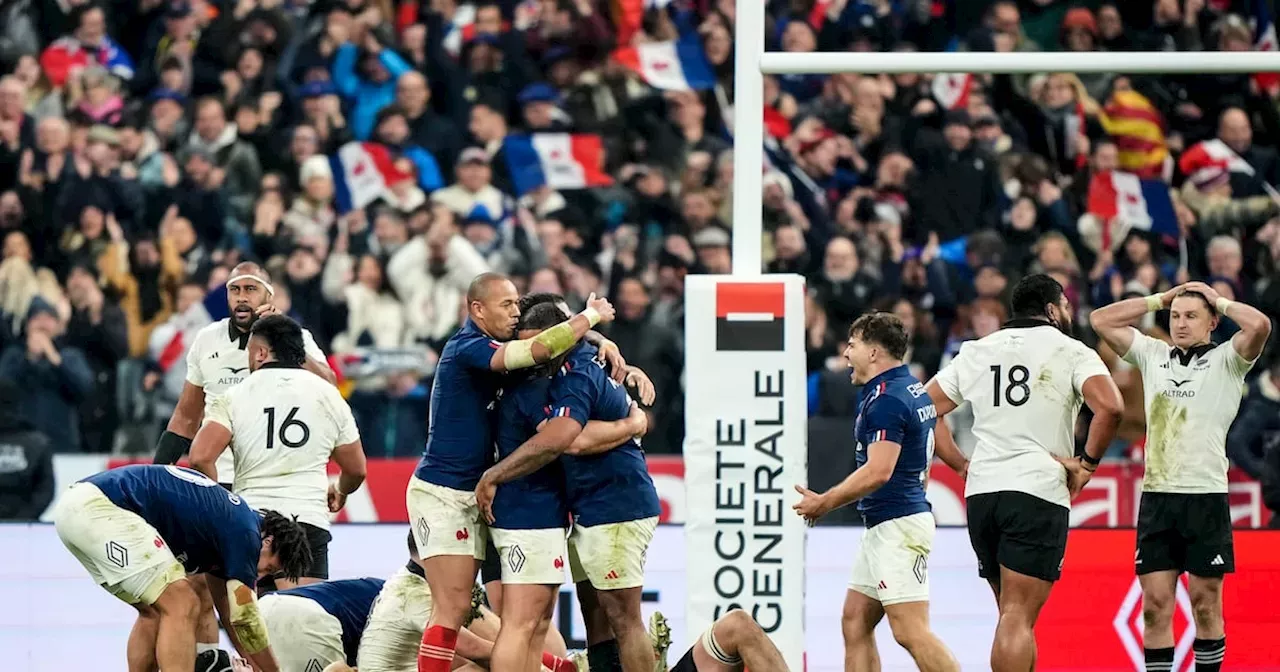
(366, 97)
(53, 393)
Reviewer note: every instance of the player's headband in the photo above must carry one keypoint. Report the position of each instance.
(249, 276)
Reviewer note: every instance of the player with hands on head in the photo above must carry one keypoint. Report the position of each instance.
(1191, 392)
(447, 525)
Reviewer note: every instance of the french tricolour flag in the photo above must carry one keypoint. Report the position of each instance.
(557, 160)
(362, 173)
(750, 316)
(1142, 204)
(952, 90)
(678, 65)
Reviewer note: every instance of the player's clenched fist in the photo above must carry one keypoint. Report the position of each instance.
(602, 307)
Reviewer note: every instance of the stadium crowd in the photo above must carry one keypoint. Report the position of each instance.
(148, 146)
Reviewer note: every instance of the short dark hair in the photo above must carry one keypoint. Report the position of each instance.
(528, 301)
(542, 316)
(478, 290)
(284, 337)
(1033, 293)
(885, 330)
(1197, 295)
(289, 542)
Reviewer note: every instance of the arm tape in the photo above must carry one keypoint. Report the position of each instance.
(557, 340)
(171, 447)
(247, 621)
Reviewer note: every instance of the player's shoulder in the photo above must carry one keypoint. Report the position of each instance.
(206, 335)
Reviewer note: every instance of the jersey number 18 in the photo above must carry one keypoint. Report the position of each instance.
(282, 433)
(1014, 388)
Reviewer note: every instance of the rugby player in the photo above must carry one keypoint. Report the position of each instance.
(315, 625)
(140, 530)
(394, 629)
(283, 424)
(217, 359)
(1192, 392)
(734, 643)
(531, 512)
(895, 432)
(615, 506)
(440, 498)
(1026, 383)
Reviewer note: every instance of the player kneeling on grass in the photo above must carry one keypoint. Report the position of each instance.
(318, 624)
(896, 431)
(140, 530)
(611, 495)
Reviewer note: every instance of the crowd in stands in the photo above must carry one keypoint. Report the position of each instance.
(146, 146)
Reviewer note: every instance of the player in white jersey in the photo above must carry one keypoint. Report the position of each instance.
(217, 360)
(1026, 383)
(283, 424)
(1191, 391)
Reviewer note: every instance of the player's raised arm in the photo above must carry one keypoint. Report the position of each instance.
(183, 424)
(1255, 326)
(553, 342)
(237, 606)
(1113, 323)
(600, 436)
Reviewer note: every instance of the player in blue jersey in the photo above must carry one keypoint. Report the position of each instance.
(895, 433)
(140, 530)
(615, 506)
(440, 497)
(320, 623)
(530, 513)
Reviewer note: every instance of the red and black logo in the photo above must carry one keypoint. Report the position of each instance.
(750, 316)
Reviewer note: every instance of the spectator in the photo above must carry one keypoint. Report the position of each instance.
(56, 378)
(26, 461)
(1253, 444)
(97, 329)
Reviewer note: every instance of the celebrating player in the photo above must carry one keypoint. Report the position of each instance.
(440, 497)
(283, 424)
(530, 512)
(1025, 383)
(1192, 393)
(611, 495)
(321, 623)
(895, 434)
(139, 530)
(216, 361)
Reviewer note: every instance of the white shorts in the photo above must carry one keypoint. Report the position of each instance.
(396, 621)
(122, 552)
(445, 521)
(531, 556)
(893, 560)
(611, 555)
(304, 637)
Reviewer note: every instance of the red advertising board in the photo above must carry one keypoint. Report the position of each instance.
(1093, 620)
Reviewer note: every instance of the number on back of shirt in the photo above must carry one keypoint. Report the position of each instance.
(1013, 387)
(292, 432)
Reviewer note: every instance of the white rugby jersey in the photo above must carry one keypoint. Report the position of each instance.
(1191, 400)
(1024, 384)
(284, 423)
(218, 360)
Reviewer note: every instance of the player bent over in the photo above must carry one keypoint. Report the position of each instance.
(139, 530)
(612, 497)
(440, 497)
(1192, 395)
(318, 624)
(393, 632)
(895, 432)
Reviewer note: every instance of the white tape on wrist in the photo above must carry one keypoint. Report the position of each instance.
(1222, 304)
(592, 315)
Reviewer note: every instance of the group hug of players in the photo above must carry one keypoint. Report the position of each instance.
(532, 465)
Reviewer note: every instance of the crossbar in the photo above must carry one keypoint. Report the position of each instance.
(1123, 62)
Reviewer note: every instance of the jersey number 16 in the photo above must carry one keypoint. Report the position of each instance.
(283, 431)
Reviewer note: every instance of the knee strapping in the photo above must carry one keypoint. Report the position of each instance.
(713, 647)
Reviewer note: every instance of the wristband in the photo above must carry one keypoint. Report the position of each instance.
(171, 448)
(592, 315)
(1090, 462)
(1154, 303)
(1222, 304)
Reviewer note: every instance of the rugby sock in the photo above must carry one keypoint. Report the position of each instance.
(557, 664)
(436, 652)
(604, 657)
(1209, 654)
(1159, 660)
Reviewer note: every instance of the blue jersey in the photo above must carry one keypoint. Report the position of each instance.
(536, 501)
(895, 407)
(208, 528)
(460, 433)
(349, 601)
(614, 486)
